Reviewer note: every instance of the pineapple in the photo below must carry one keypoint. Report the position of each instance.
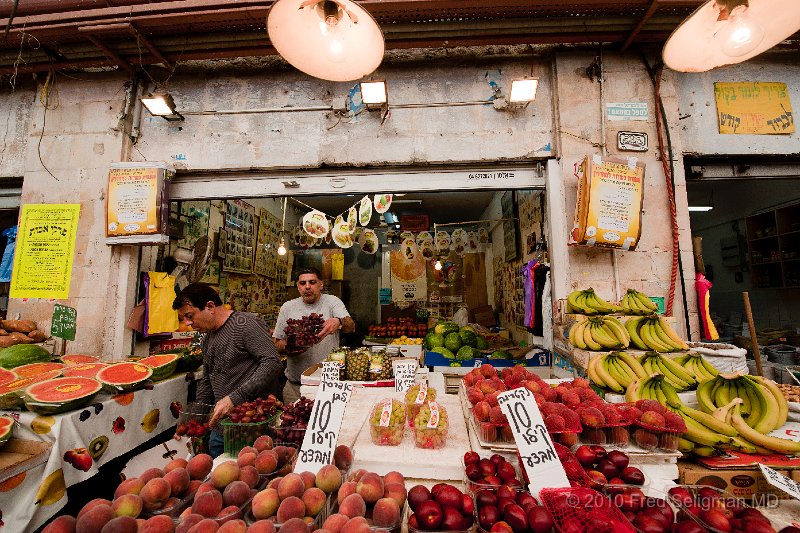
(388, 371)
(357, 364)
(340, 356)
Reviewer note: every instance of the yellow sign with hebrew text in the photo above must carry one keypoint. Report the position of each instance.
(761, 108)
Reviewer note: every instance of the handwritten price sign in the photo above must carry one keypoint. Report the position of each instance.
(64, 320)
(404, 375)
(323, 429)
(330, 370)
(777, 480)
(536, 450)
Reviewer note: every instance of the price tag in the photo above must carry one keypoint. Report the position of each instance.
(330, 370)
(433, 421)
(386, 413)
(63, 323)
(478, 363)
(324, 425)
(404, 375)
(536, 450)
(777, 480)
(423, 393)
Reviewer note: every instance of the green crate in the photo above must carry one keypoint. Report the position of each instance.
(237, 436)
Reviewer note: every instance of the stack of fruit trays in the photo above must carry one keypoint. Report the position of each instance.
(417, 396)
(291, 429)
(387, 423)
(718, 511)
(249, 420)
(430, 426)
(657, 428)
(193, 423)
(603, 424)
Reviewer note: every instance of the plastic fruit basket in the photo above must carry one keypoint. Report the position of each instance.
(617, 435)
(473, 487)
(289, 435)
(429, 432)
(653, 438)
(627, 495)
(387, 422)
(238, 435)
(705, 497)
(584, 509)
(386, 435)
(193, 423)
(413, 406)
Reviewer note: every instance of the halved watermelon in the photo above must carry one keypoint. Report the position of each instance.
(163, 365)
(6, 428)
(11, 392)
(124, 376)
(86, 370)
(33, 369)
(79, 359)
(60, 394)
(7, 376)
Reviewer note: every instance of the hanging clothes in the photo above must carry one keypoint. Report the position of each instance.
(703, 287)
(529, 293)
(7, 264)
(159, 295)
(540, 271)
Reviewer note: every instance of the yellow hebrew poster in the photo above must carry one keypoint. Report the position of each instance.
(45, 247)
(761, 108)
(133, 201)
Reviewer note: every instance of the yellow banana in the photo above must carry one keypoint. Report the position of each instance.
(632, 327)
(722, 395)
(608, 379)
(760, 408)
(632, 394)
(632, 304)
(741, 391)
(743, 445)
(708, 367)
(783, 404)
(704, 395)
(52, 489)
(671, 396)
(573, 305)
(619, 331)
(711, 422)
(678, 370)
(645, 302)
(592, 372)
(660, 396)
(646, 332)
(634, 365)
(701, 370)
(671, 334)
(660, 335)
(772, 413)
(704, 451)
(619, 372)
(671, 378)
(588, 338)
(765, 441)
(576, 334)
(685, 445)
(647, 364)
(700, 434)
(602, 337)
(600, 304)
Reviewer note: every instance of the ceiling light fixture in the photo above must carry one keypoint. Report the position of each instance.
(161, 105)
(437, 265)
(374, 94)
(725, 32)
(282, 245)
(523, 90)
(700, 208)
(335, 40)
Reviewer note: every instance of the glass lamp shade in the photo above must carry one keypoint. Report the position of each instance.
(703, 42)
(336, 41)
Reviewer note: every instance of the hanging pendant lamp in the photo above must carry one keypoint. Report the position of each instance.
(335, 40)
(725, 32)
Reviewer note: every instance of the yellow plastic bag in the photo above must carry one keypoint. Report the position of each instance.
(337, 266)
(161, 318)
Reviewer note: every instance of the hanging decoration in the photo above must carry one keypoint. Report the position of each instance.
(315, 223)
(368, 241)
(365, 211)
(382, 202)
(341, 235)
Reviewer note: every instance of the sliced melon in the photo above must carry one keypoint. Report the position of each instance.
(78, 359)
(60, 394)
(163, 365)
(86, 370)
(124, 376)
(33, 369)
(6, 428)
(11, 393)
(7, 376)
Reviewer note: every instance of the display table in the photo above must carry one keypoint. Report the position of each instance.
(108, 428)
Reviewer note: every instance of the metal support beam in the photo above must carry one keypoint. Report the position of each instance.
(650, 12)
(150, 46)
(111, 54)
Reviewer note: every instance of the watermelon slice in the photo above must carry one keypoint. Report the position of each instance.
(11, 393)
(163, 365)
(78, 359)
(33, 369)
(7, 376)
(6, 428)
(86, 370)
(124, 376)
(60, 394)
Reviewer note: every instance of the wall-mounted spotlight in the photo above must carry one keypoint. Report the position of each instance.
(374, 94)
(523, 91)
(161, 105)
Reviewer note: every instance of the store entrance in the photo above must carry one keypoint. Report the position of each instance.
(409, 256)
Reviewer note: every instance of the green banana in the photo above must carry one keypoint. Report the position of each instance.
(705, 451)
(711, 422)
(633, 364)
(708, 367)
(685, 445)
(632, 327)
(760, 417)
(704, 395)
(671, 395)
(607, 378)
(602, 337)
(700, 434)
(573, 305)
(678, 383)
(679, 371)
(619, 374)
(646, 332)
(783, 404)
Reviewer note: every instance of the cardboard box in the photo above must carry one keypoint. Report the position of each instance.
(19, 455)
(745, 483)
(483, 315)
(541, 359)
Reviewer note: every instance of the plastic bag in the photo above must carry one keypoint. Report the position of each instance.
(161, 318)
(461, 317)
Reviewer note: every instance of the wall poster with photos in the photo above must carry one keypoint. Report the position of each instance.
(267, 242)
(195, 216)
(240, 226)
(510, 240)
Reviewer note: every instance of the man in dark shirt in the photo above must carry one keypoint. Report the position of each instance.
(240, 361)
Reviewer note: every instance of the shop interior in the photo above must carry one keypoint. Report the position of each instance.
(750, 234)
(427, 255)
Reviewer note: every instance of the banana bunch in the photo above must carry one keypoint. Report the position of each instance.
(587, 302)
(637, 303)
(615, 371)
(598, 334)
(763, 406)
(674, 374)
(654, 333)
(697, 366)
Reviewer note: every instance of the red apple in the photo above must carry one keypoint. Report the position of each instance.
(501, 527)
(688, 526)
(487, 467)
(516, 517)
(416, 495)
(467, 505)
(681, 495)
(488, 516)
(607, 468)
(716, 519)
(586, 456)
(471, 458)
(429, 515)
(539, 520)
(506, 492)
(618, 459)
(525, 500)
(473, 472)
(485, 497)
(505, 471)
(632, 476)
(451, 519)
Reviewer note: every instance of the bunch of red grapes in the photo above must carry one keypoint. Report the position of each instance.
(302, 332)
(258, 410)
(294, 420)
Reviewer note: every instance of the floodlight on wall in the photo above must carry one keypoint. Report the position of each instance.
(335, 40)
(161, 105)
(700, 208)
(725, 32)
(374, 94)
(523, 90)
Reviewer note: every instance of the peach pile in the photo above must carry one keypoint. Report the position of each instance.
(512, 511)
(367, 500)
(442, 508)
(266, 460)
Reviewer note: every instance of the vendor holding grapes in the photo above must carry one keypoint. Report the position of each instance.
(239, 360)
(313, 332)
